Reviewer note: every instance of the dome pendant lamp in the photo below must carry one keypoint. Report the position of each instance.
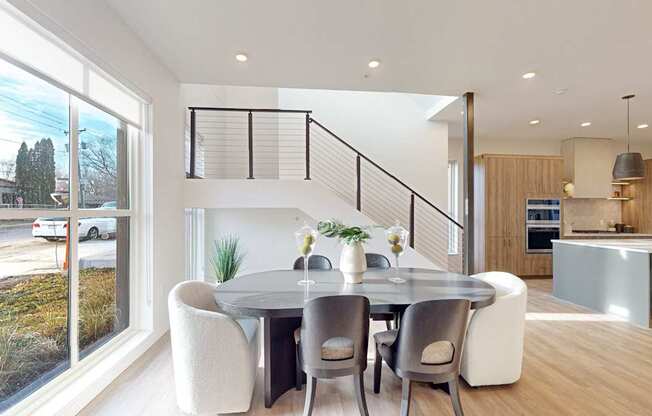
(629, 166)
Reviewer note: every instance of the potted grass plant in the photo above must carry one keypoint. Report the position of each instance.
(353, 263)
(227, 258)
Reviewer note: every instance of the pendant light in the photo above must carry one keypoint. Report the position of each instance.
(629, 166)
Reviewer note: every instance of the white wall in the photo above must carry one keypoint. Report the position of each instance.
(390, 128)
(267, 236)
(245, 205)
(93, 29)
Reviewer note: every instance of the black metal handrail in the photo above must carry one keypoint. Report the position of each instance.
(377, 166)
(309, 119)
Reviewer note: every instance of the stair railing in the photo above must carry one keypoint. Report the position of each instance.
(230, 143)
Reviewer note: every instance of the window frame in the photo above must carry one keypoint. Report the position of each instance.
(453, 206)
(140, 236)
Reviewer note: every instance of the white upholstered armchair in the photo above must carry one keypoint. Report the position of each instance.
(493, 352)
(215, 356)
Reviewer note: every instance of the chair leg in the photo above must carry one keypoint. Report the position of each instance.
(358, 381)
(311, 387)
(388, 324)
(454, 392)
(406, 396)
(299, 372)
(378, 370)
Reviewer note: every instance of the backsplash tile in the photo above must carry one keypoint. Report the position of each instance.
(590, 213)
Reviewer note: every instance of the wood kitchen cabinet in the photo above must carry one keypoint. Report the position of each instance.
(638, 210)
(503, 183)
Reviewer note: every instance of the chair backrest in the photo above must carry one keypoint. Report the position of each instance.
(431, 326)
(330, 317)
(315, 262)
(506, 284)
(377, 261)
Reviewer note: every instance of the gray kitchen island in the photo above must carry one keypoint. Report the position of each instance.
(610, 276)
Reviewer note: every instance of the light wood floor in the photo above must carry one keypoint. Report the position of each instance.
(576, 362)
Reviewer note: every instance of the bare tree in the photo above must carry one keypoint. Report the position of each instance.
(8, 169)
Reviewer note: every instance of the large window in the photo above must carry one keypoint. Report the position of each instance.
(66, 222)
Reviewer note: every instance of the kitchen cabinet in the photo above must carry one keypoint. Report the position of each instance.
(503, 183)
(637, 211)
(588, 165)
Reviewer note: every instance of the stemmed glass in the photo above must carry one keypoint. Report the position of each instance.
(397, 237)
(306, 238)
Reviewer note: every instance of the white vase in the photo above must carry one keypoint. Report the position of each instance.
(353, 263)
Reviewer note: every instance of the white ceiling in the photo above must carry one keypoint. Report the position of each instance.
(596, 49)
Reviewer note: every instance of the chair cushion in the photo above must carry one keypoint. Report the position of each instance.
(333, 349)
(386, 337)
(440, 352)
(337, 348)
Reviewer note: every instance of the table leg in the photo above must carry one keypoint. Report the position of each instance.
(280, 357)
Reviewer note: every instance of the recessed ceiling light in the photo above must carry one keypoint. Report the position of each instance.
(560, 91)
(241, 57)
(529, 75)
(534, 122)
(586, 124)
(374, 63)
(642, 126)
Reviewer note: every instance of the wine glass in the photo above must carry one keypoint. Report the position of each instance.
(306, 238)
(396, 237)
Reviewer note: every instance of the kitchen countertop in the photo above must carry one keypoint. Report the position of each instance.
(638, 245)
(605, 235)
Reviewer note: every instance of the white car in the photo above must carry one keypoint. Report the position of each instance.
(53, 229)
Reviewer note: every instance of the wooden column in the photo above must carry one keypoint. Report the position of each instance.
(469, 226)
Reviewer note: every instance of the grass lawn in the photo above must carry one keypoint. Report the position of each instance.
(34, 322)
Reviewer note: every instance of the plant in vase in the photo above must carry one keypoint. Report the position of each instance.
(397, 239)
(227, 258)
(353, 263)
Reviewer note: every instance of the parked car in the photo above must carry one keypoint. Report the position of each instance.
(53, 229)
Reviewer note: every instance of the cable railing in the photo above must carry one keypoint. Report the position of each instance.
(247, 143)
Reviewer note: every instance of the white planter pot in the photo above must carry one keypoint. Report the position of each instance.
(353, 263)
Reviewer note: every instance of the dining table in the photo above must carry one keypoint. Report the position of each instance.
(277, 298)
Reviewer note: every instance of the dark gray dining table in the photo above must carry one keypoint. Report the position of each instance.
(276, 297)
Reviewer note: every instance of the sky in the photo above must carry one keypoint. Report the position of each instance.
(31, 109)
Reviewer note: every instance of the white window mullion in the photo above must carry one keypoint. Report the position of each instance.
(73, 238)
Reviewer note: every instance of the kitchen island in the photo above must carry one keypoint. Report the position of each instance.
(610, 276)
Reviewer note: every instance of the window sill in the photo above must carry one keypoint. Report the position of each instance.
(74, 389)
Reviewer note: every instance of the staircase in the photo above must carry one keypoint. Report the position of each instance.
(274, 144)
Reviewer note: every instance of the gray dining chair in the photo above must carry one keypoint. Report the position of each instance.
(332, 342)
(315, 262)
(378, 261)
(427, 347)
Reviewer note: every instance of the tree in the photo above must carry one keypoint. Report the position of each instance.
(23, 179)
(35, 172)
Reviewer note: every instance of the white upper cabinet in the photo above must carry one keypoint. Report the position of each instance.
(588, 164)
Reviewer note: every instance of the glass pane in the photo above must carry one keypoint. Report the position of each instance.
(34, 142)
(34, 293)
(103, 162)
(103, 281)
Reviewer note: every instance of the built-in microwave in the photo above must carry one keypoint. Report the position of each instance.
(543, 211)
(543, 223)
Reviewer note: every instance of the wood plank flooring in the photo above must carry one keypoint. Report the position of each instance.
(577, 362)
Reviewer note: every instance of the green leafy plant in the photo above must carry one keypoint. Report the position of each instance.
(346, 235)
(227, 258)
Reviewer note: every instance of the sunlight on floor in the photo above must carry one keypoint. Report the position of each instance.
(587, 317)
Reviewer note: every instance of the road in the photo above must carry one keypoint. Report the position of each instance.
(21, 254)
